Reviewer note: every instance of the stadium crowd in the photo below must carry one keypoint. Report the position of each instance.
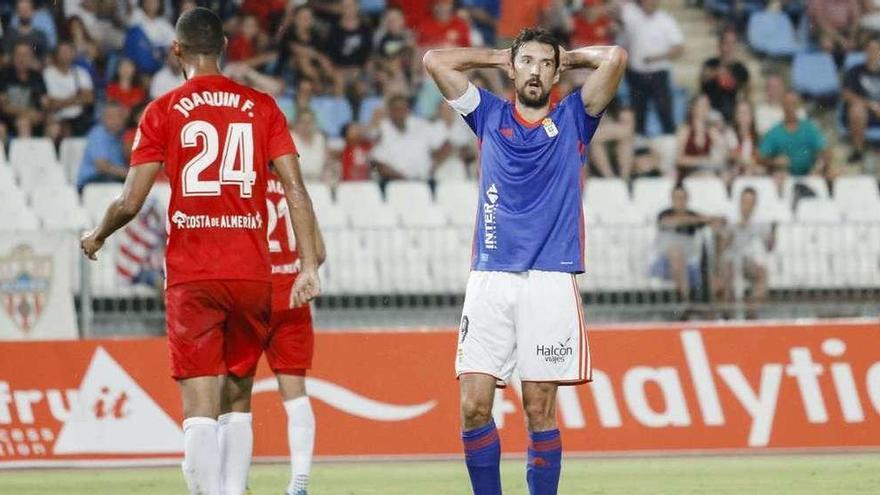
(348, 76)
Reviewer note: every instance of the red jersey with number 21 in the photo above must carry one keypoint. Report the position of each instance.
(216, 139)
(282, 244)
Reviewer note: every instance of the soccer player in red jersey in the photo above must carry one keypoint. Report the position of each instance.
(290, 347)
(215, 139)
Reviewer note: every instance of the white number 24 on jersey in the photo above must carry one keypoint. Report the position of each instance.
(236, 166)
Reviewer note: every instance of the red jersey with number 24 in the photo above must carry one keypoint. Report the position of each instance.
(216, 139)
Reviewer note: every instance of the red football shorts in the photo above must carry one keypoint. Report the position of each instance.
(292, 341)
(217, 327)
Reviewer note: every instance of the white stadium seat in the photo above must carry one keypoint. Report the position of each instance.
(70, 154)
(404, 196)
(378, 216)
(816, 184)
(18, 219)
(430, 216)
(322, 196)
(602, 195)
(58, 207)
(12, 199)
(459, 201)
(622, 215)
(817, 210)
(651, 195)
(355, 196)
(96, 198)
(707, 195)
(331, 217)
(857, 192)
(27, 152)
(7, 178)
(31, 178)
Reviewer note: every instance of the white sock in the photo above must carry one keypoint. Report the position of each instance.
(301, 439)
(236, 439)
(201, 456)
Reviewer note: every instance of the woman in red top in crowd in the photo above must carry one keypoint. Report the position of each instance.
(697, 140)
(126, 88)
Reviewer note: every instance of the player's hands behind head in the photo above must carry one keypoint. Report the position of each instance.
(306, 288)
(90, 244)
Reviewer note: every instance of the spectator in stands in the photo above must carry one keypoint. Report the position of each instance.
(69, 92)
(456, 133)
(745, 247)
(742, 142)
(679, 254)
(861, 92)
(42, 21)
(126, 88)
(795, 146)
(87, 51)
(770, 112)
(393, 38)
(22, 93)
(617, 129)
(871, 17)
(724, 79)
(104, 158)
(518, 14)
(249, 44)
(836, 21)
(25, 32)
(351, 43)
(311, 146)
(168, 78)
(698, 141)
(654, 40)
(149, 36)
(557, 18)
(302, 49)
(102, 20)
(484, 16)
(443, 28)
(355, 162)
(407, 149)
(593, 25)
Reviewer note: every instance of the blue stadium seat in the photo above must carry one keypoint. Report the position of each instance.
(771, 33)
(815, 75)
(333, 113)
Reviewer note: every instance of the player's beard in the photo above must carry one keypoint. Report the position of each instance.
(539, 101)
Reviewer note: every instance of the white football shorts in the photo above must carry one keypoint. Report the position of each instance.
(531, 321)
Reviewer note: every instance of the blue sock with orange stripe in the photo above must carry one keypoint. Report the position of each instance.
(482, 455)
(545, 462)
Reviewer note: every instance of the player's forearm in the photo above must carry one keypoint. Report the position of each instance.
(120, 212)
(303, 219)
(447, 66)
(462, 59)
(589, 57)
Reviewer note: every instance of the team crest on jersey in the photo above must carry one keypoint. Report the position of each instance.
(549, 127)
(25, 279)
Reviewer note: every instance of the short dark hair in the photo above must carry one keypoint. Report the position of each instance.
(200, 32)
(749, 190)
(539, 35)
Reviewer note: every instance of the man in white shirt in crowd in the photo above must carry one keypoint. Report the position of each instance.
(408, 149)
(70, 92)
(169, 77)
(653, 39)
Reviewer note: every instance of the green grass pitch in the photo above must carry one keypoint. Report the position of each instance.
(850, 474)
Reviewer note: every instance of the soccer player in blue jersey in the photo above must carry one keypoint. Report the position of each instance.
(523, 308)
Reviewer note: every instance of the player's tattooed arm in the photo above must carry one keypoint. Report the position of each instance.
(123, 208)
(609, 64)
(448, 66)
(307, 285)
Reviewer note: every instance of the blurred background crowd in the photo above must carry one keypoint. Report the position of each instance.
(741, 93)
